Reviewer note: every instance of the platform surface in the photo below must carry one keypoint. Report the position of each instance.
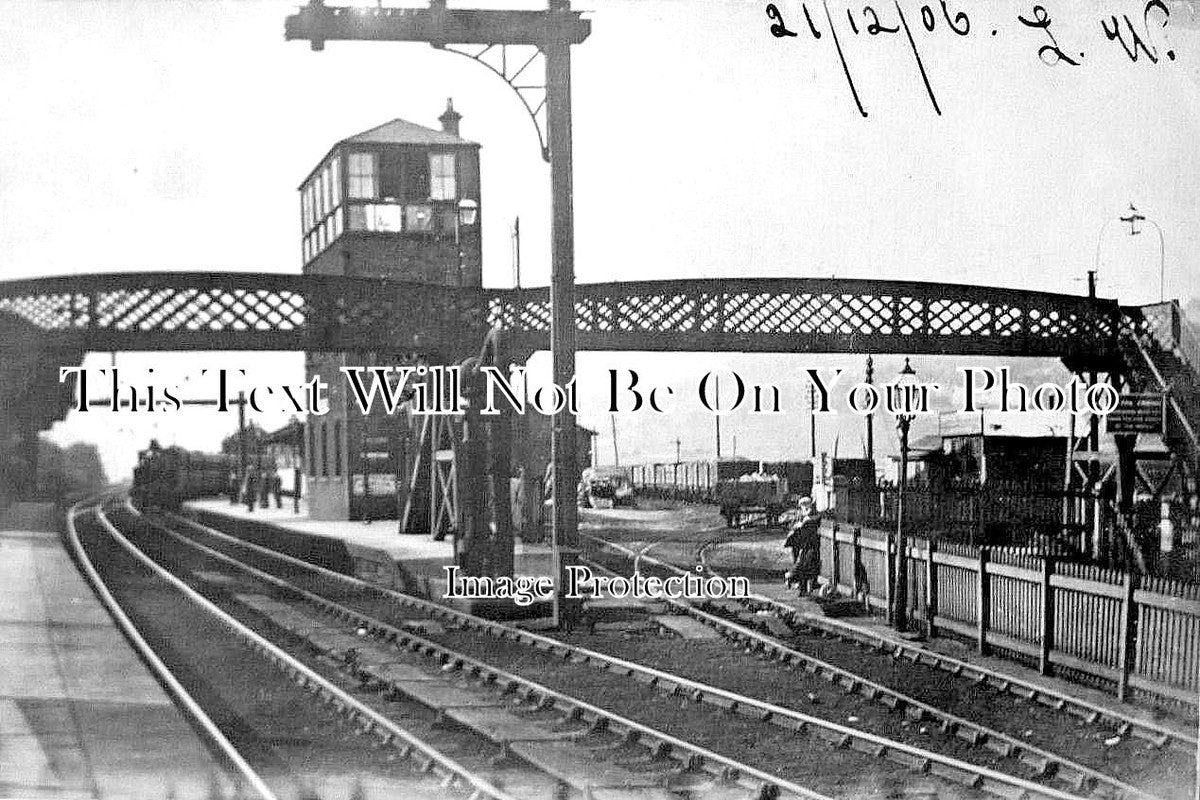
(80, 715)
(382, 534)
(418, 553)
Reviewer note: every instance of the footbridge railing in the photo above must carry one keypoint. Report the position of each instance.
(270, 311)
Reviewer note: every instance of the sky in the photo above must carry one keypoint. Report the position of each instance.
(172, 136)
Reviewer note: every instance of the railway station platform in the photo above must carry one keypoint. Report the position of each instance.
(378, 534)
(376, 547)
(80, 715)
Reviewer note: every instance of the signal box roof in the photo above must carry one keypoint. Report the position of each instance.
(396, 131)
(401, 131)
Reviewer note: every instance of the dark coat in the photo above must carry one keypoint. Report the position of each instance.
(805, 543)
(805, 533)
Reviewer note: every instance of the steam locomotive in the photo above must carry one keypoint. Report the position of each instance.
(166, 476)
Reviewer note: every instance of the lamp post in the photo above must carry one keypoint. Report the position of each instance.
(871, 418)
(1133, 219)
(907, 378)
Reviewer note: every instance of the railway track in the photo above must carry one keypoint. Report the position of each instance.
(369, 602)
(279, 734)
(580, 750)
(783, 634)
(247, 782)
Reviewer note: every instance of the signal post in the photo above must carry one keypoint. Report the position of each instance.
(551, 32)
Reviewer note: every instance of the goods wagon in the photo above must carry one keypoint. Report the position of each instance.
(699, 481)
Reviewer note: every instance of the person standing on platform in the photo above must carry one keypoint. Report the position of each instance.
(232, 486)
(804, 540)
(264, 487)
(252, 481)
(277, 487)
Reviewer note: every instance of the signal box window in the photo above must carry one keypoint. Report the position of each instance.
(442, 185)
(383, 217)
(363, 172)
(418, 218)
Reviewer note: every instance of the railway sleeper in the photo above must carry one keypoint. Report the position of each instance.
(968, 735)
(1057, 703)
(1042, 766)
(1006, 686)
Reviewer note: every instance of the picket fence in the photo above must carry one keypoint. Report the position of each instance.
(1134, 635)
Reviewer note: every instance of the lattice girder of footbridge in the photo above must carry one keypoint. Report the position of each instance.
(268, 311)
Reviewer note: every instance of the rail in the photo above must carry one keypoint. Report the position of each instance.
(1044, 762)
(1173, 331)
(162, 673)
(1151, 731)
(413, 641)
(910, 756)
(447, 768)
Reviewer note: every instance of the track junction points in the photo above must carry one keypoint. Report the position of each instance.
(628, 704)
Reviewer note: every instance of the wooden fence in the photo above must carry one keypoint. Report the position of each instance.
(994, 513)
(1130, 634)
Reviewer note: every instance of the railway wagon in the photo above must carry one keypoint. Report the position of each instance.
(165, 477)
(753, 499)
(698, 481)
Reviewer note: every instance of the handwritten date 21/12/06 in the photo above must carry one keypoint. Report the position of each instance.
(1135, 37)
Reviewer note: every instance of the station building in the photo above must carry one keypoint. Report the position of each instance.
(400, 201)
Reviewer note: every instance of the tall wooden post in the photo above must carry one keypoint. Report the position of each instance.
(1127, 646)
(856, 565)
(564, 530)
(900, 593)
(931, 587)
(982, 601)
(871, 417)
(243, 456)
(1046, 645)
(499, 452)
(472, 543)
(835, 571)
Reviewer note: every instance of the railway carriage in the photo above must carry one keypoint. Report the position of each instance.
(165, 477)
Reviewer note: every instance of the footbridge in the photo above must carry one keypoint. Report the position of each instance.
(265, 311)
(52, 321)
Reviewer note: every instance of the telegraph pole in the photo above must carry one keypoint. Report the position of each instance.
(516, 236)
(871, 417)
(717, 417)
(243, 455)
(812, 420)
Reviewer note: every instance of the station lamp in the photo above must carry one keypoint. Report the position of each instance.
(468, 212)
(903, 389)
